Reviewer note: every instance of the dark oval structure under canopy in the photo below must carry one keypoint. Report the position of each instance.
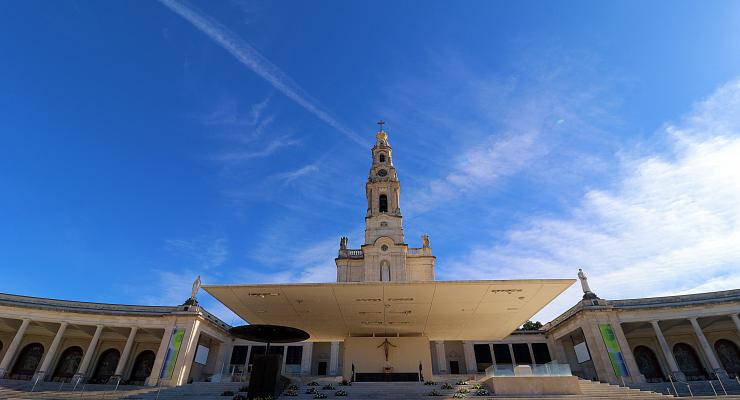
(269, 333)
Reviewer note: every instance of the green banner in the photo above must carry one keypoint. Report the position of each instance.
(613, 349)
(173, 351)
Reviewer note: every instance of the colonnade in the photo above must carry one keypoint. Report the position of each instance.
(589, 323)
(707, 349)
(51, 355)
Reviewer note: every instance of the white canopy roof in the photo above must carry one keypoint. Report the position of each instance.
(440, 310)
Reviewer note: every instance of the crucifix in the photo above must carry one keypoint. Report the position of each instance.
(381, 123)
(386, 347)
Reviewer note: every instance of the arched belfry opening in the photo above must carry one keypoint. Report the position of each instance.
(383, 203)
(381, 157)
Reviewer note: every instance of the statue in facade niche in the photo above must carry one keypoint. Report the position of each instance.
(425, 241)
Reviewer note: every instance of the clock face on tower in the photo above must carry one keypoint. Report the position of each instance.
(382, 172)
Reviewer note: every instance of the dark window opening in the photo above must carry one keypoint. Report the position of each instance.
(502, 354)
(381, 157)
(294, 355)
(256, 351)
(239, 355)
(521, 353)
(383, 201)
(483, 357)
(482, 353)
(541, 353)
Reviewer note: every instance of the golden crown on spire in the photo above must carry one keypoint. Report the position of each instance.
(381, 135)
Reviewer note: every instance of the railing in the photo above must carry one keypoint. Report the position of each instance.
(549, 369)
(420, 251)
(350, 253)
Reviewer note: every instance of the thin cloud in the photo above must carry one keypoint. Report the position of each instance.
(289, 176)
(252, 59)
(200, 252)
(669, 225)
(266, 150)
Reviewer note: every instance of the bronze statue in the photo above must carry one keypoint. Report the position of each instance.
(386, 347)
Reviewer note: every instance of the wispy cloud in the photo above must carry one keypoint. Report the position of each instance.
(478, 130)
(287, 177)
(229, 114)
(200, 253)
(252, 59)
(264, 151)
(670, 224)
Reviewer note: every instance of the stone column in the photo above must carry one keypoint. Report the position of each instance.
(285, 358)
(511, 353)
(629, 358)
(249, 354)
(667, 353)
(469, 353)
(13, 347)
(225, 350)
(598, 351)
(708, 350)
(531, 353)
(334, 359)
(187, 354)
(736, 320)
(159, 359)
(82, 371)
(439, 347)
(306, 355)
(51, 353)
(121, 367)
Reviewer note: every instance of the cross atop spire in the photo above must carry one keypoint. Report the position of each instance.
(381, 123)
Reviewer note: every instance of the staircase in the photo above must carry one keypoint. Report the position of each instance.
(698, 388)
(419, 391)
(14, 389)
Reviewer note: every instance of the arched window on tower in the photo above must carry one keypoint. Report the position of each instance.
(385, 271)
(381, 157)
(383, 203)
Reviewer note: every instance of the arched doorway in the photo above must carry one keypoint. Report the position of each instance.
(27, 362)
(648, 364)
(688, 362)
(142, 367)
(106, 366)
(68, 364)
(729, 356)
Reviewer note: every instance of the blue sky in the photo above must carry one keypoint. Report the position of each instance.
(146, 143)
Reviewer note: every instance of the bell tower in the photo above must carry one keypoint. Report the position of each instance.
(384, 256)
(383, 192)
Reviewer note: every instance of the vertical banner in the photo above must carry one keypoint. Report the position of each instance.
(615, 352)
(168, 367)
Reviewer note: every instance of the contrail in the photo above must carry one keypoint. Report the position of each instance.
(252, 59)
